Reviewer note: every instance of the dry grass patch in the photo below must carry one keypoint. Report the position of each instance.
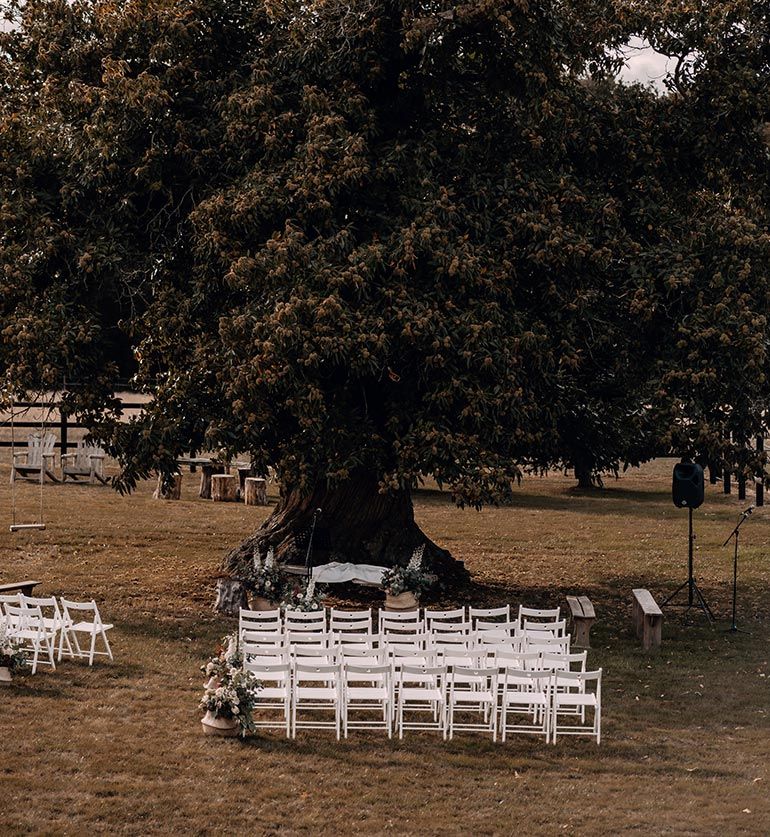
(117, 748)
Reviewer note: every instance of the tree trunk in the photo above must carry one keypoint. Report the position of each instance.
(224, 488)
(584, 477)
(207, 471)
(171, 492)
(356, 524)
(255, 491)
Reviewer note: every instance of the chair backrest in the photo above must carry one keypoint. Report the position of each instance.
(487, 613)
(84, 451)
(368, 672)
(527, 660)
(319, 639)
(362, 626)
(339, 619)
(14, 599)
(456, 615)
(498, 628)
(266, 656)
(39, 447)
(370, 655)
(458, 657)
(535, 613)
(315, 651)
(555, 628)
(524, 679)
(547, 644)
(302, 620)
(25, 618)
(578, 679)
(449, 627)
(49, 607)
(403, 626)
(431, 676)
(352, 640)
(400, 615)
(305, 669)
(412, 656)
(406, 641)
(278, 673)
(566, 662)
(80, 607)
(483, 677)
(257, 644)
(263, 621)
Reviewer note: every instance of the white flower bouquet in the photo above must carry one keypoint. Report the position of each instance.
(264, 577)
(409, 579)
(11, 655)
(304, 599)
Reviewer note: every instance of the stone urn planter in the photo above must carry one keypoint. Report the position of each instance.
(224, 727)
(5, 676)
(403, 601)
(261, 603)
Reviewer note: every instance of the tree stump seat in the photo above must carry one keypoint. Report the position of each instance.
(583, 617)
(647, 618)
(255, 491)
(224, 488)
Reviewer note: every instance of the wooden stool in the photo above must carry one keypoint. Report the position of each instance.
(224, 488)
(255, 491)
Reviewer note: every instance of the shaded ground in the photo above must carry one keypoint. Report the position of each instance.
(117, 748)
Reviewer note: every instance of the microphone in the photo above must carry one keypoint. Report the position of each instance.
(748, 511)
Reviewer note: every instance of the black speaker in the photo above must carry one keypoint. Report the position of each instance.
(688, 485)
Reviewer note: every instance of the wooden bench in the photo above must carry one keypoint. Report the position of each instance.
(647, 618)
(583, 616)
(25, 587)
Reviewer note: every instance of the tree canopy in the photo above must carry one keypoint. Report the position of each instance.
(389, 238)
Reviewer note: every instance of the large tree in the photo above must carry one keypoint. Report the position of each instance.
(368, 242)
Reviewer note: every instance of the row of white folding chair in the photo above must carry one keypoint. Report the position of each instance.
(362, 620)
(45, 616)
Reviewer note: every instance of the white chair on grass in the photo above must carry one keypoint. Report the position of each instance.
(26, 625)
(316, 688)
(53, 620)
(275, 692)
(488, 613)
(94, 628)
(421, 690)
(533, 613)
(526, 696)
(443, 616)
(343, 620)
(553, 628)
(305, 621)
(472, 690)
(367, 687)
(412, 616)
(571, 692)
(259, 621)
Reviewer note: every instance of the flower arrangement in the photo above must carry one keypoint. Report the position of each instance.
(304, 599)
(265, 578)
(227, 661)
(235, 697)
(409, 579)
(11, 655)
(230, 692)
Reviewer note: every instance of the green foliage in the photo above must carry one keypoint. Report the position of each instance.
(380, 236)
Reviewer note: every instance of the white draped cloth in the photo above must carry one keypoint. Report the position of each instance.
(337, 573)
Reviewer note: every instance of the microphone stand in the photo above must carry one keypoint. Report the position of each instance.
(735, 534)
(310, 542)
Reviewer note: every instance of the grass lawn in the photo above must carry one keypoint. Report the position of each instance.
(118, 748)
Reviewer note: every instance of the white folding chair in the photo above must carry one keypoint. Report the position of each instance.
(340, 620)
(367, 687)
(316, 687)
(412, 616)
(14, 600)
(275, 692)
(53, 620)
(527, 696)
(489, 613)
(421, 689)
(95, 628)
(259, 621)
(554, 628)
(534, 643)
(443, 616)
(354, 640)
(317, 639)
(570, 693)
(254, 640)
(473, 690)
(567, 662)
(305, 621)
(27, 626)
(533, 613)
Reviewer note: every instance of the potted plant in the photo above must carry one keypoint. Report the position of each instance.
(305, 598)
(265, 582)
(11, 657)
(230, 694)
(404, 585)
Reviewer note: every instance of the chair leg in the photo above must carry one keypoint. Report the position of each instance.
(93, 648)
(107, 644)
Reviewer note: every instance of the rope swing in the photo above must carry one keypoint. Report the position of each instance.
(40, 523)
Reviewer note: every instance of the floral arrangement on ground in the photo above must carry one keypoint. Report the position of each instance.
(230, 691)
(409, 579)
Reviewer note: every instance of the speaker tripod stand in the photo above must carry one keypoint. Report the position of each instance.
(694, 595)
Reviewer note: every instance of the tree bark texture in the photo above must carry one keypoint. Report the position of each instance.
(172, 492)
(207, 471)
(224, 488)
(255, 491)
(356, 524)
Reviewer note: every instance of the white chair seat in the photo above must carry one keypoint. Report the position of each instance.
(317, 692)
(415, 693)
(87, 627)
(574, 699)
(367, 692)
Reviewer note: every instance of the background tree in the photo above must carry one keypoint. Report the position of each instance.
(368, 243)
